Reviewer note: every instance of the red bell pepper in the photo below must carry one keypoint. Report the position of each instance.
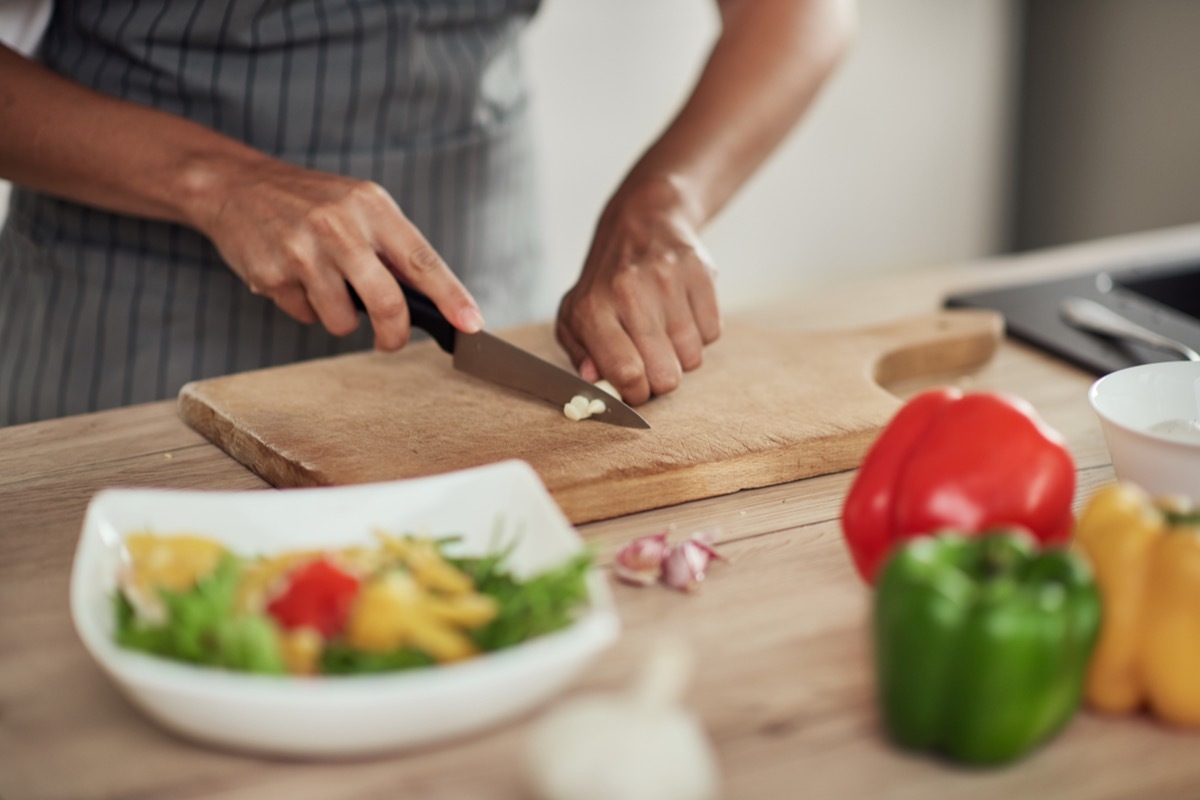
(965, 461)
(318, 595)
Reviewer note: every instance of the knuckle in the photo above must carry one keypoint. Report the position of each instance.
(325, 220)
(690, 358)
(626, 285)
(296, 257)
(389, 306)
(664, 271)
(370, 193)
(665, 381)
(424, 259)
(670, 258)
(664, 373)
(301, 270)
(635, 394)
(626, 373)
(581, 313)
(271, 283)
(319, 215)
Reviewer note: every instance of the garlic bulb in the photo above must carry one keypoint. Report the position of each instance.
(640, 745)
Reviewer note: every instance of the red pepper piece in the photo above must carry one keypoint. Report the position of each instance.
(966, 461)
(318, 596)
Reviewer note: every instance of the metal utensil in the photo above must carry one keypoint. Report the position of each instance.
(1088, 315)
(493, 359)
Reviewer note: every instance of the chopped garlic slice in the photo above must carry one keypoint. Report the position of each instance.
(581, 407)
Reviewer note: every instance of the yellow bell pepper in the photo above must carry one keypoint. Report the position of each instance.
(1146, 558)
(394, 611)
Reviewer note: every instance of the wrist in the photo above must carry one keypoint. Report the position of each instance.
(658, 193)
(203, 184)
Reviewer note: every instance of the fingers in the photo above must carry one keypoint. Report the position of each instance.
(382, 297)
(415, 262)
(702, 298)
(299, 237)
(592, 334)
(400, 251)
(294, 303)
(641, 328)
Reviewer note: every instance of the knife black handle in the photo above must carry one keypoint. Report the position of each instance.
(422, 313)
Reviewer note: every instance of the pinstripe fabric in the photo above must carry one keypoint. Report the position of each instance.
(423, 96)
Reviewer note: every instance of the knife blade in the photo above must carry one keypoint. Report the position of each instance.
(489, 357)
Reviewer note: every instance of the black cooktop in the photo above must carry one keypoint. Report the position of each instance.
(1163, 297)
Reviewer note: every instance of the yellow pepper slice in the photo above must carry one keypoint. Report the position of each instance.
(395, 611)
(159, 562)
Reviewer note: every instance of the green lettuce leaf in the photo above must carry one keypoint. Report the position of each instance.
(202, 626)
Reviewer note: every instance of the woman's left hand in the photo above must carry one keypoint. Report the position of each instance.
(645, 304)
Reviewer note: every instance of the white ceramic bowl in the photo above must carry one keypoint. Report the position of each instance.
(1130, 403)
(356, 715)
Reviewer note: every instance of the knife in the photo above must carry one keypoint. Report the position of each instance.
(493, 359)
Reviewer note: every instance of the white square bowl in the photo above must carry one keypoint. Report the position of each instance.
(343, 716)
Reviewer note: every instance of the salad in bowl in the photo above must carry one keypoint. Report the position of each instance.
(339, 621)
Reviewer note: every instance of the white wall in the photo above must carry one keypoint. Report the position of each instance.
(902, 162)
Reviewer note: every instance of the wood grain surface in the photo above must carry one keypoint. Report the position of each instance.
(783, 683)
(770, 405)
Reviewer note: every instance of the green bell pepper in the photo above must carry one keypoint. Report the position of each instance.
(982, 643)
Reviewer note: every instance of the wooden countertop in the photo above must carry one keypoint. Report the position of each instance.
(783, 682)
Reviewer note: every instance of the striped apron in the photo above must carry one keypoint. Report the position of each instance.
(425, 97)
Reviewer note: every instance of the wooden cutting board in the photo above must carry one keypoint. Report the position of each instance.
(769, 406)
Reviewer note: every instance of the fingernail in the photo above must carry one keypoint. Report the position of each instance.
(472, 320)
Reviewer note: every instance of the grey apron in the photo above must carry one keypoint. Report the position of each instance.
(426, 98)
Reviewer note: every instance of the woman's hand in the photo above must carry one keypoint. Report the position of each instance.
(645, 305)
(292, 234)
(298, 237)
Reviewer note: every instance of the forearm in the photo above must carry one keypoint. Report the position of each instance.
(66, 140)
(764, 71)
(292, 234)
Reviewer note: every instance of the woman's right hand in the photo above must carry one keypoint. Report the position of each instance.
(298, 236)
(292, 234)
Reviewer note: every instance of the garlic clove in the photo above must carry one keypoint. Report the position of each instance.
(687, 564)
(705, 540)
(640, 745)
(684, 567)
(641, 561)
(597, 407)
(605, 386)
(572, 412)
